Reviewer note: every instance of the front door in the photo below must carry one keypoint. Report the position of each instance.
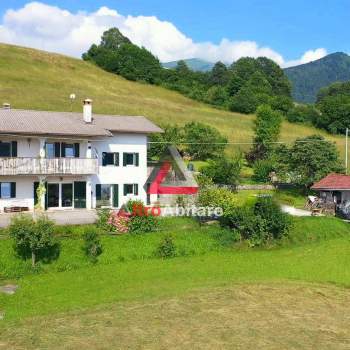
(80, 194)
(53, 195)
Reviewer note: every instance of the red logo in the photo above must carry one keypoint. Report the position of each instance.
(156, 186)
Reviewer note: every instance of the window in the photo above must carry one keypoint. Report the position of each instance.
(103, 195)
(131, 189)
(50, 150)
(7, 190)
(68, 150)
(109, 158)
(67, 195)
(8, 149)
(130, 159)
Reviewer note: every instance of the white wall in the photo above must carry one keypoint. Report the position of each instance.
(120, 175)
(24, 192)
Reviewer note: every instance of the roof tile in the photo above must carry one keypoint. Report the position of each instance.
(333, 182)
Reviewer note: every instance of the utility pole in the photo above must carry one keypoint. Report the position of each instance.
(346, 151)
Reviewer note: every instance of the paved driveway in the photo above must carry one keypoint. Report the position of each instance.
(61, 217)
(294, 211)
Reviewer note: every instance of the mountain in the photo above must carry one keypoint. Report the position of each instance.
(307, 79)
(32, 79)
(195, 64)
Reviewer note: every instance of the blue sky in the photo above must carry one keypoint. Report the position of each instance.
(289, 28)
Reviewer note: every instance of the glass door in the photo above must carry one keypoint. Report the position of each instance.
(67, 195)
(80, 194)
(53, 195)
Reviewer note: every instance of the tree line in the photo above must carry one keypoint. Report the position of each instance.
(241, 87)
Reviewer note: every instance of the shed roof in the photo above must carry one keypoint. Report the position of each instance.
(333, 182)
(15, 121)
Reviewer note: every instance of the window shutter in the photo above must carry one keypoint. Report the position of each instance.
(13, 189)
(115, 196)
(125, 190)
(0, 189)
(98, 192)
(137, 159)
(104, 159)
(57, 150)
(136, 189)
(116, 159)
(14, 149)
(76, 150)
(124, 159)
(63, 150)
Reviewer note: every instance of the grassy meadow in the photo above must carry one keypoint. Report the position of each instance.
(131, 299)
(32, 79)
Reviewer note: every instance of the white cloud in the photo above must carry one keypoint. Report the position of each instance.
(308, 56)
(51, 28)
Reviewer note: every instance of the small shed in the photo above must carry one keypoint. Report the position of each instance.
(334, 188)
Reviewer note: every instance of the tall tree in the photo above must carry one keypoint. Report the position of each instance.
(311, 158)
(267, 130)
(219, 75)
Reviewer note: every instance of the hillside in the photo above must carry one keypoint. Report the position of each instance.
(195, 64)
(38, 80)
(307, 79)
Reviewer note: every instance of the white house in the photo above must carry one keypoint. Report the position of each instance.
(83, 160)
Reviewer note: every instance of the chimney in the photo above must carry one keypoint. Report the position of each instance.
(87, 111)
(6, 106)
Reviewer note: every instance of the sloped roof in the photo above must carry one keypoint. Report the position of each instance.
(15, 121)
(333, 182)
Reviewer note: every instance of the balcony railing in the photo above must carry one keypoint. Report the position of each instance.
(45, 166)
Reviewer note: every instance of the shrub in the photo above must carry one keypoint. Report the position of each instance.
(215, 197)
(166, 248)
(92, 245)
(34, 238)
(258, 224)
(278, 223)
(103, 221)
(262, 170)
(303, 114)
(224, 170)
(138, 219)
(143, 224)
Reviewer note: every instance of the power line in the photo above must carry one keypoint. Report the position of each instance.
(233, 143)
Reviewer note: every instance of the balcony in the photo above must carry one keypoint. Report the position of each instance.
(45, 166)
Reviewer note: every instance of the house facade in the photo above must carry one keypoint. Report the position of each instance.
(77, 160)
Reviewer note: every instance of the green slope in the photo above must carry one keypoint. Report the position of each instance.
(34, 79)
(307, 79)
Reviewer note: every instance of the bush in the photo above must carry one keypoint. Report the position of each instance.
(34, 238)
(143, 224)
(140, 220)
(262, 170)
(92, 245)
(103, 221)
(215, 197)
(303, 114)
(224, 170)
(166, 248)
(278, 223)
(258, 224)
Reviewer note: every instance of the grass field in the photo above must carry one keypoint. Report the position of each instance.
(212, 295)
(37, 80)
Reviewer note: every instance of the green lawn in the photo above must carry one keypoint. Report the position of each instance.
(316, 251)
(200, 297)
(54, 77)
